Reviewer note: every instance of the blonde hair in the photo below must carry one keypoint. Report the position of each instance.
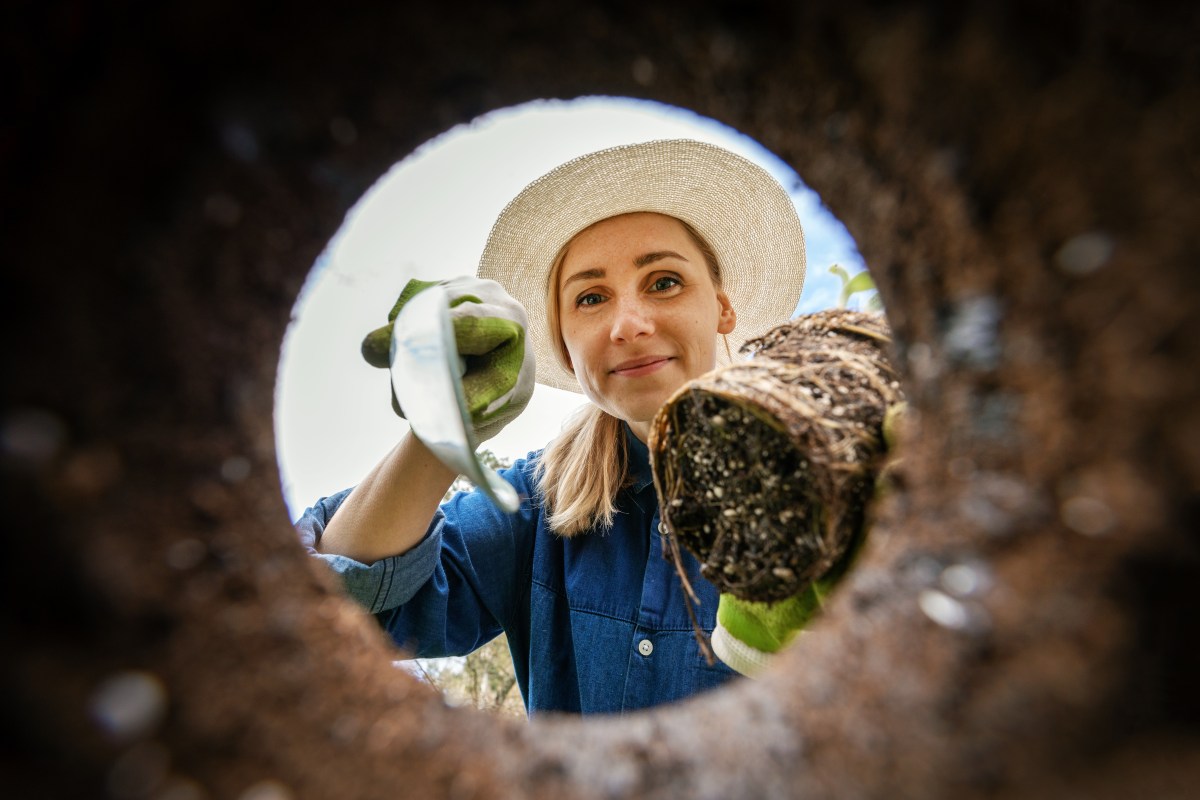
(587, 464)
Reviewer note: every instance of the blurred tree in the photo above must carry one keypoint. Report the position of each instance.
(484, 679)
(463, 484)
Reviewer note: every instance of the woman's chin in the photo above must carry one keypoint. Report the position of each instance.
(637, 401)
(643, 411)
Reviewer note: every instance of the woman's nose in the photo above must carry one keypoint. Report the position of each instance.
(631, 321)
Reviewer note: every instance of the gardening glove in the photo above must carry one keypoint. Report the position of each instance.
(497, 368)
(749, 633)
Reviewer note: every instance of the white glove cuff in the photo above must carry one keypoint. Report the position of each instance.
(738, 655)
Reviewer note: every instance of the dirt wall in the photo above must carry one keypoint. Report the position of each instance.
(1021, 182)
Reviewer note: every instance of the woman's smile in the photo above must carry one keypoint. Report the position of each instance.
(638, 367)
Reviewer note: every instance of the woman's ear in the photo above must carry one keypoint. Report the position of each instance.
(727, 321)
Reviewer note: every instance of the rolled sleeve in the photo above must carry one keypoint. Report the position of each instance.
(392, 581)
(385, 584)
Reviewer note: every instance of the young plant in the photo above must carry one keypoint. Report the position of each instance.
(862, 282)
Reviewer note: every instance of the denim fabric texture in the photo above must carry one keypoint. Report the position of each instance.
(596, 623)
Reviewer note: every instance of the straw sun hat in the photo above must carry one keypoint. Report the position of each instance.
(736, 206)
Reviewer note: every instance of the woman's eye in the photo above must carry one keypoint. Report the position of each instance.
(589, 299)
(664, 283)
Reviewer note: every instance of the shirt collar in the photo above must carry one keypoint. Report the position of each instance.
(639, 461)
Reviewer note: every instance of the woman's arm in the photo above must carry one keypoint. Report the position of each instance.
(389, 512)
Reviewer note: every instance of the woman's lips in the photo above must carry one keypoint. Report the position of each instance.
(638, 367)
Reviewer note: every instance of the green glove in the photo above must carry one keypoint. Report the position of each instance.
(749, 633)
(497, 368)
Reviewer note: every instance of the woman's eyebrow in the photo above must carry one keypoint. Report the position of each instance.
(585, 275)
(657, 255)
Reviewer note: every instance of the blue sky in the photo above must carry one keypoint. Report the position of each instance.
(429, 217)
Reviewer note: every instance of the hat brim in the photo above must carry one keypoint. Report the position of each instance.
(736, 206)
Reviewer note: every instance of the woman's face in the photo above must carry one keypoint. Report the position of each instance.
(639, 313)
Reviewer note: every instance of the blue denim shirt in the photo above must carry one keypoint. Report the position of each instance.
(596, 623)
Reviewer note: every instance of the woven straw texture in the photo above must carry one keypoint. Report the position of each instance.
(735, 205)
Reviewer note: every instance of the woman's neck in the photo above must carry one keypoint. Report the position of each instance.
(641, 430)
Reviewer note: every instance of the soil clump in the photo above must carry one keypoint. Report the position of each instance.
(764, 468)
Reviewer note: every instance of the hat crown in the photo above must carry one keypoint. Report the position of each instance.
(736, 206)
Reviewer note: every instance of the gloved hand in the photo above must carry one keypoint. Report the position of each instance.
(749, 633)
(497, 368)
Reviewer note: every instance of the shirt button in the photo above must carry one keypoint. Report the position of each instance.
(662, 528)
(645, 647)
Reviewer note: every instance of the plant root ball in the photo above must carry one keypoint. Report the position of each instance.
(764, 468)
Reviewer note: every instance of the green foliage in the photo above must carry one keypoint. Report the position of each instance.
(462, 484)
(862, 282)
(484, 679)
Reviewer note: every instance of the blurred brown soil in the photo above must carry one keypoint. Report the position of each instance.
(1021, 180)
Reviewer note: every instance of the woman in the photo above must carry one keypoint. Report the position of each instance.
(637, 264)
